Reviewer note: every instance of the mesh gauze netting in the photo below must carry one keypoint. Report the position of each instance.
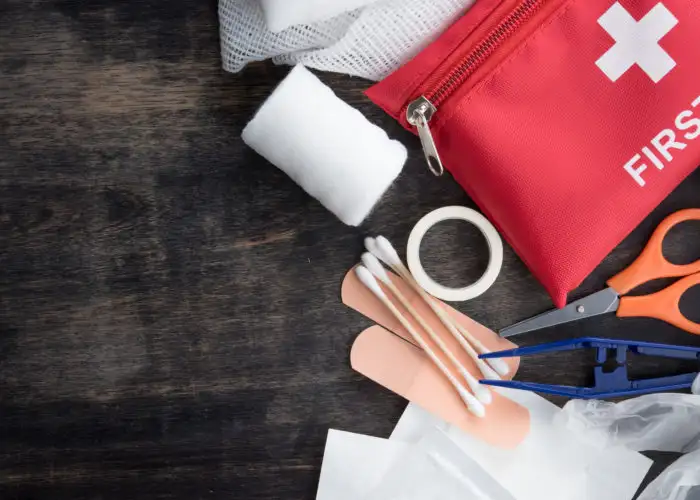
(370, 42)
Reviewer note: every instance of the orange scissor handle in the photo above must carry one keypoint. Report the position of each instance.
(652, 264)
(663, 305)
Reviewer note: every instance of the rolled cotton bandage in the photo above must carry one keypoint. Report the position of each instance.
(281, 14)
(326, 146)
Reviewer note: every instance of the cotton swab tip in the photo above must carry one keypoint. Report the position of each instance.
(473, 404)
(375, 267)
(371, 245)
(488, 372)
(500, 366)
(368, 280)
(482, 393)
(388, 251)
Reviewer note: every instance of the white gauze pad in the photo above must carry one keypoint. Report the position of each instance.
(325, 146)
(281, 14)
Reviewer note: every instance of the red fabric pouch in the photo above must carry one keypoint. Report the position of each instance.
(567, 121)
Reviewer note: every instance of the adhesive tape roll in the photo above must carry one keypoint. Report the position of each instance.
(492, 238)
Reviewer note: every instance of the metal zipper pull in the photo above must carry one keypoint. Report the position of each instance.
(419, 114)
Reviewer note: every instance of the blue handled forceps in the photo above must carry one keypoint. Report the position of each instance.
(607, 384)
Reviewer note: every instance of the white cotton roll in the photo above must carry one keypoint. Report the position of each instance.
(281, 14)
(326, 146)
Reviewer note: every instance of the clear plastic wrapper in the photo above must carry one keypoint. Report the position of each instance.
(550, 459)
(437, 469)
(681, 481)
(655, 422)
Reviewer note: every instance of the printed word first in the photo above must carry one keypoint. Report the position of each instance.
(687, 129)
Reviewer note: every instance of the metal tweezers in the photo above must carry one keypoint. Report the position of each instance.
(611, 384)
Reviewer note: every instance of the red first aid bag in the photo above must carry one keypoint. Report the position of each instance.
(567, 121)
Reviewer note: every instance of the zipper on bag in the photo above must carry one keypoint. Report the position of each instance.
(422, 110)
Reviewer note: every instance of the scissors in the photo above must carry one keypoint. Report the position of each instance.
(649, 266)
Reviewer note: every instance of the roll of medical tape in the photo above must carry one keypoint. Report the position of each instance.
(493, 239)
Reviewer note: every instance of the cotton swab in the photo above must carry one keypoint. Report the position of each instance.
(473, 404)
(384, 250)
(460, 333)
(375, 267)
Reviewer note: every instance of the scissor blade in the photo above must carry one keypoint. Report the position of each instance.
(602, 302)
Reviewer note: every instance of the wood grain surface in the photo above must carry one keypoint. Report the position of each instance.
(170, 322)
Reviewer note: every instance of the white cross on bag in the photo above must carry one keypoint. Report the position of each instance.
(637, 42)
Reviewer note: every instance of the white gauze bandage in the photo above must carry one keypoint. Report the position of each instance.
(369, 42)
(281, 14)
(326, 146)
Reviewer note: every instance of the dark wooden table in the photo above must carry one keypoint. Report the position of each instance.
(170, 322)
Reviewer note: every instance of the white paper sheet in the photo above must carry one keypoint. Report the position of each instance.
(353, 464)
(414, 423)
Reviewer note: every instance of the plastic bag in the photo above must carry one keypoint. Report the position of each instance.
(681, 481)
(660, 422)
